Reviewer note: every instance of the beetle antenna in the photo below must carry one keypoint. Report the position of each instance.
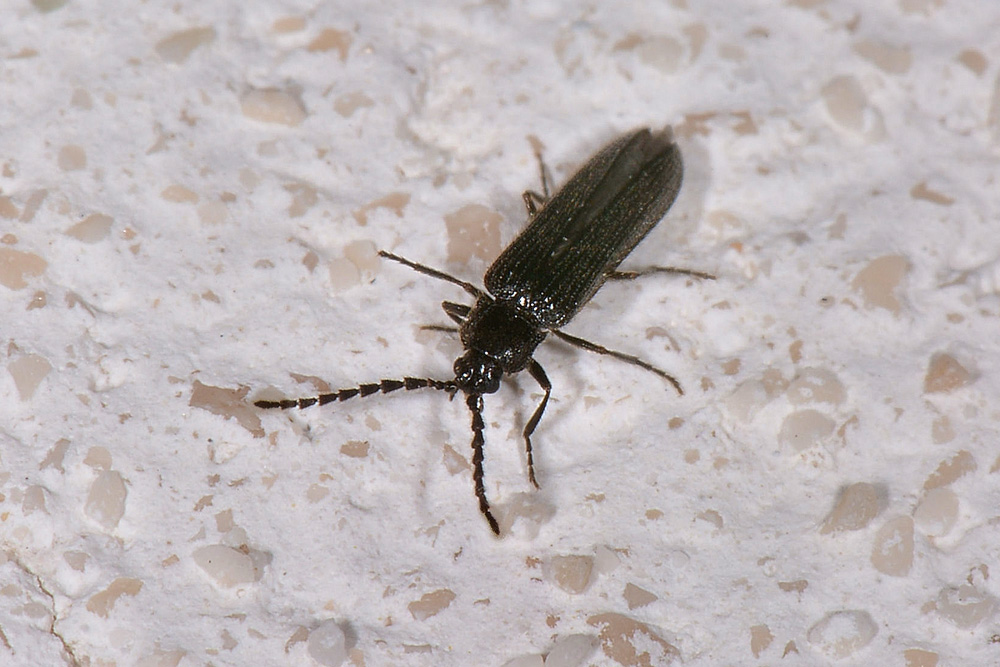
(475, 403)
(384, 387)
(434, 273)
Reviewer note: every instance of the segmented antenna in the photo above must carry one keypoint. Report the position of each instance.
(383, 387)
(475, 403)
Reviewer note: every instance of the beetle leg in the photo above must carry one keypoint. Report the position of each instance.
(475, 403)
(434, 273)
(539, 375)
(456, 311)
(531, 198)
(628, 358)
(632, 275)
(542, 172)
(438, 327)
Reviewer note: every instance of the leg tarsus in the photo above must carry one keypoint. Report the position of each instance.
(628, 358)
(536, 371)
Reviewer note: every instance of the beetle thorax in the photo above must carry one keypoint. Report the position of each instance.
(498, 339)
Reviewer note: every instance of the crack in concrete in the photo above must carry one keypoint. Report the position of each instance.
(70, 654)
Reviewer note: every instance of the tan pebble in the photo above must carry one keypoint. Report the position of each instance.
(571, 573)
(803, 429)
(892, 552)
(937, 512)
(855, 508)
(842, 633)
(945, 374)
(966, 606)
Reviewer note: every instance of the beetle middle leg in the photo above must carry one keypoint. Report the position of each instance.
(628, 358)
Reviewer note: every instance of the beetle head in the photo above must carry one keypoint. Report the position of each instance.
(475, 373)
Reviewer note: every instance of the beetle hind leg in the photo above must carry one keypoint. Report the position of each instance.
(632, 275)
(621, 356)
(533, 200)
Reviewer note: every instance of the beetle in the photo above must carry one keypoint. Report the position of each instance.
(571, 246)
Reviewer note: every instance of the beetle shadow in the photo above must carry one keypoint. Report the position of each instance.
(668, 242)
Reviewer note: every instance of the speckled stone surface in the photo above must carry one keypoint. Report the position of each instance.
(192, 197)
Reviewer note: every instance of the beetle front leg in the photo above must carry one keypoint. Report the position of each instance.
(458, 312)
(536, 371)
